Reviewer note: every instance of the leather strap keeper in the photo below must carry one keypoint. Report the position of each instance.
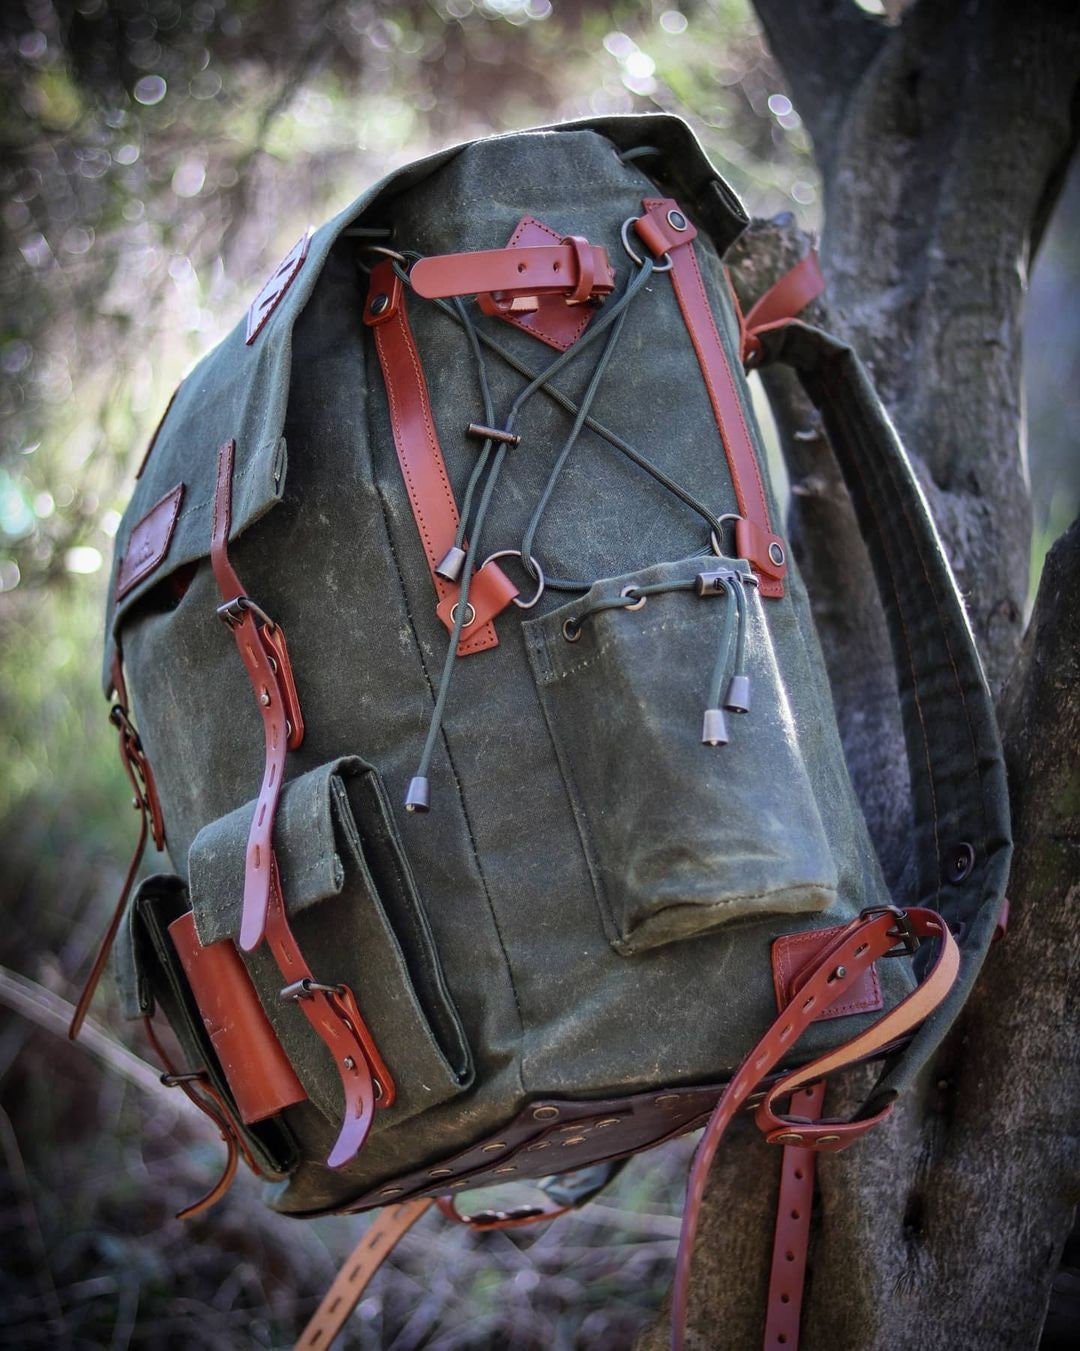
(262, 1080)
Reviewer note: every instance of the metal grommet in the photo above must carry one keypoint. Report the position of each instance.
(657, 267)
(788, 1138)
(469, 611)
(607, 1121)
(571, 630)
(638, 604)
(533, 568)
(378, 303)
(508, 1168)
(665, 1099)
(826, 1139)
(960, 862)
(490, 1148)
(391, 1191)
(776, 554)
(570, 1140)
(545, 1113)
(677, 221)
(440, 1172)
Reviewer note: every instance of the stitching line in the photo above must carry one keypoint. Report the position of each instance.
(124, 583)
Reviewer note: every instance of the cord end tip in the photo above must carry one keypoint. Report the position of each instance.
(418, 798)
(737, 699)
(714, 728)
(451, 565)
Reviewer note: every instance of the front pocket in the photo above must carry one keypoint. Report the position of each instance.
(680, 836)
(359, 921)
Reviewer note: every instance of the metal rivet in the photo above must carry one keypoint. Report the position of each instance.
(676, 220)
(574, 1140)
(960, 862)
(838, 974)
(788, 1138)
(349, 1063)
(264, 698)
(545, 1113)
(776, 554)
(379, 304)
(440, 1172)
(508, 1168)
(391, 1191)
(495, 1144)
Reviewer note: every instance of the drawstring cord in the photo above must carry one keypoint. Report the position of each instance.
(737, 700)
(418, 796)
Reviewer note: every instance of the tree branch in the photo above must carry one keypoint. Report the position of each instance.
(823, 48)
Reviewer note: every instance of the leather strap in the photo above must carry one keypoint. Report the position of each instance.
(754, 537)
(791, 1239)
(573, 266)
(484, 1220)
(151, 823)
(872, 936)
(788, 296)
(422, 465)
(379, 1240)
(331, 1010)
(270, 674)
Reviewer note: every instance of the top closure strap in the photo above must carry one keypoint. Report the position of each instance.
(666, 231)
(579, 270)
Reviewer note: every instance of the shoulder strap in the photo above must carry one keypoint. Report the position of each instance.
(962, 834)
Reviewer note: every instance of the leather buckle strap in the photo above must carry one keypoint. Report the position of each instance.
(839, 967)
(665, 229)
(504, 278)
(377, 1243)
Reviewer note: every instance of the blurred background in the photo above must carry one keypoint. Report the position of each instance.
(156, 159)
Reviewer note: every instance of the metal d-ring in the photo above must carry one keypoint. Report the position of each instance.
(639, 603)
(657, 267)
(532, 568)
(722, 520)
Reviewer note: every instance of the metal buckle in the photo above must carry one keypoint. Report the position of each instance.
(306, 987)
(907, 939)
(232, 612)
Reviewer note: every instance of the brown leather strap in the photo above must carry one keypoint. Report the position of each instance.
(421, 459)
(151, 823)
(666, 230)
(792, 1236)
(873, 935)
(262, 650)
(786, 298)
(379, 1240)
(574, 266)
(334, 1015)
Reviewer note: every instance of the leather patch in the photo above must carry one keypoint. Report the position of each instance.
(268, 299)
(794, 953)
(149, 541)
(553, 321)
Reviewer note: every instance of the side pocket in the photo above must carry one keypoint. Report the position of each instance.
(359, 920)
(680, 837)
(150, 974)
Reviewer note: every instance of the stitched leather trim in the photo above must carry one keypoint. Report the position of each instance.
(794, 954)
(149, 541)
(553, 321)
(791, 1239)
(754, 534)
(273, 291)
(421, 459)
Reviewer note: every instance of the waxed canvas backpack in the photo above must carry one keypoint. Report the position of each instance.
(480, 710)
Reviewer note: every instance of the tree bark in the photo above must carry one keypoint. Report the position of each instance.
(941, 141)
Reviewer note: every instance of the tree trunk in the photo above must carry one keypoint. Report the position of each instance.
(942, 141)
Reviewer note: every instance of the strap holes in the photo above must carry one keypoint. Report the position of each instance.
(761, 1062)
(521, 267)
(556, 266)
(781, 1338)
(786, 1032)
(795, 1215)
(785, 1299)
(352, 1277)
(789, 1256)
(861, 949)
(798, 1174)
(808, 1003)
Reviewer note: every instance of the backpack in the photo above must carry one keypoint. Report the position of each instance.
(533, 845)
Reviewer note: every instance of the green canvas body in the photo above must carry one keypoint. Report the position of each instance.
(583, 922)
